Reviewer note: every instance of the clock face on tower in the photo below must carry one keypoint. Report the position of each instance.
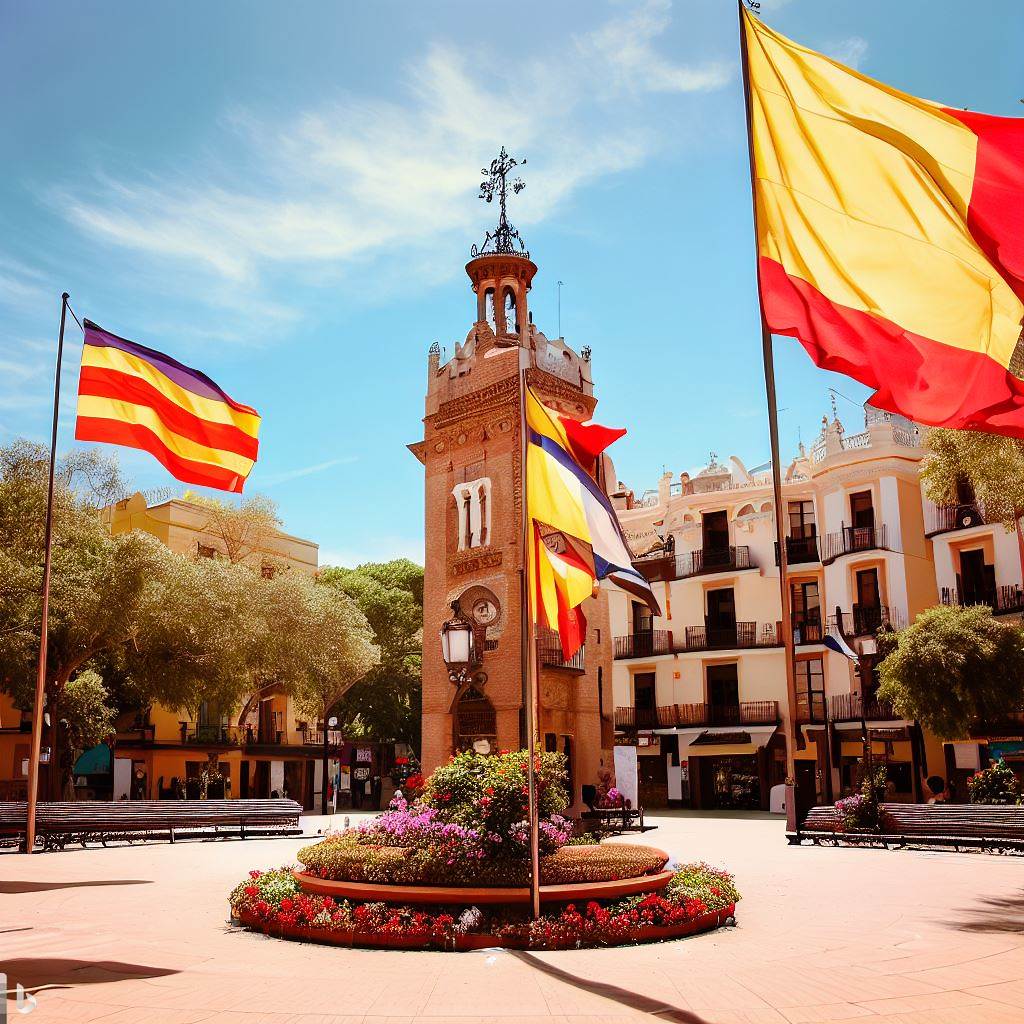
(482, 606)
(484, 612)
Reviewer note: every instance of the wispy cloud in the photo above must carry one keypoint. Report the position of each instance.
(849, 51)
(294, 474)
(340, 183)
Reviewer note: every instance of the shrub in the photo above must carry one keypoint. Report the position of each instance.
(994, 785)
(273, 900)
(862, 809)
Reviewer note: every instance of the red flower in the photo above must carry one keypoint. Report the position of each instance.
(286, 904)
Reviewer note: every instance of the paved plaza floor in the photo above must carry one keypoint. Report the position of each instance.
(139, 935)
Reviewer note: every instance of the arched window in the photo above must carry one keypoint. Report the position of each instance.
(511, 314)
(475, 721)
(489, 309)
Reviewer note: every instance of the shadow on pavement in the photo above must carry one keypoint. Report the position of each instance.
(993, 914)
(634, 1000)
(36, 973)
(11, 888)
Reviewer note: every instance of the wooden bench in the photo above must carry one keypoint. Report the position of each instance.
(990, 827)
(85, 821)
(616, 820)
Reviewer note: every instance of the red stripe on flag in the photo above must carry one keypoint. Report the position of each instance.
(125, 387)
(939, 385)
(133, 435)
(588, 440)
(995, 214)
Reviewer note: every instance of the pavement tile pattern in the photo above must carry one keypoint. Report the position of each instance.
(139, 935)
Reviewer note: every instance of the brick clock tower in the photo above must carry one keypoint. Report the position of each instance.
(471, 451)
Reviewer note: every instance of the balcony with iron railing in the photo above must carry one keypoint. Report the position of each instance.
(799, 550)
(672, 716)
(747, 712)
(1005, 600)
(739, 636)
(849, 707)
(220, 735)
(867, 619)
(549, 652)
(315, 738)
(659, 566)
(946, 518)
(644, 644)
(808, 630)
(852, 539)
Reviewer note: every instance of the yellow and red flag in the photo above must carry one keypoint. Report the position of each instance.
(135, 396)
(890, 234)
(562, 581)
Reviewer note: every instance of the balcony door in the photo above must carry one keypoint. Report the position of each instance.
(806, 612)
(810, 690)
(867, 612)
(976, 581)
(801, 520)
(723, 695)
(720, 620)
(645, 700)
(862, 515)
(715, 537)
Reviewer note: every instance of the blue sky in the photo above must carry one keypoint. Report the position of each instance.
(285, 197)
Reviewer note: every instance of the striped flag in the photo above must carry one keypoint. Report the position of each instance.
(890, 235)
(137, 397)
(561, 494)
(561, 582)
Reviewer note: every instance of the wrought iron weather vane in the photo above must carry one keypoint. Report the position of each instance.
(506, 238)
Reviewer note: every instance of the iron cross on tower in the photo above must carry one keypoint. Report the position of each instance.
(496, 183)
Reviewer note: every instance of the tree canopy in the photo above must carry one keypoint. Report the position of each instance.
(991, 464)
(385, 705)
(954, 668)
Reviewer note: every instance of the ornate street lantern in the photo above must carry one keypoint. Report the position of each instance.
(458, 646)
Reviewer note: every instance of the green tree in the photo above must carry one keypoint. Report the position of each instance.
(385, 705)
(954, 668)
(992, 465)
(86, 718)
(332, 648)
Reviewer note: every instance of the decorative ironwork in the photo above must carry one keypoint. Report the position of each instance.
(506, 238)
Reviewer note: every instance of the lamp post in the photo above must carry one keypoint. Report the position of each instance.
(459, 650)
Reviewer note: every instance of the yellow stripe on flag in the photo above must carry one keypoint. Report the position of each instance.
(143, 415)
(862, 192)
(109, 358)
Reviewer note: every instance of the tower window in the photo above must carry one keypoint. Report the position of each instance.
(489, 310)
(473, 503)
(511, 314)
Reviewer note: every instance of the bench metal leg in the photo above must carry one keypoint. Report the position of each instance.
(172, 834)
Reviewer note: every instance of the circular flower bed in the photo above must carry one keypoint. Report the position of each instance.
(466, 833)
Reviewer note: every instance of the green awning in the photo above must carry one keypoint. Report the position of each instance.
(97, 761)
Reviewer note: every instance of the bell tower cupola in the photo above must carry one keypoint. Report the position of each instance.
(500, 269)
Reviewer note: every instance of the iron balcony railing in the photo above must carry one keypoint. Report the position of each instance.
(945, 518)
(1002, 600)
(315, 737)
(219, 734)
(808, 630)
(748, 712)
(740, 636)
(867, 619)
(851, 539)
(799, 550)
(549, 652)
(849, 707)
(630, 718)
(644, 644)
(659, 565)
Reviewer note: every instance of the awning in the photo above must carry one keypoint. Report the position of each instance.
(717, 740)
(97, 760)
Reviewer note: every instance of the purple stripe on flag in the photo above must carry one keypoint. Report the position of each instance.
(184, 376)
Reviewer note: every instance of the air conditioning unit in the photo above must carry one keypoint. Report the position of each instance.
(968, 515)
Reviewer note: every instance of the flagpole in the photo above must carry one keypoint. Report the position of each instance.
(773, 429)
(528, 651)
(40, 700)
